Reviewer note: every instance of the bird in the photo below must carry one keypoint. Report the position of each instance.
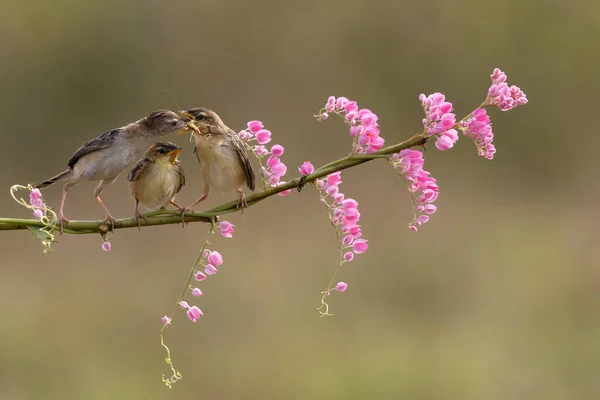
(222, 156)
(156, 178)
(105, 157)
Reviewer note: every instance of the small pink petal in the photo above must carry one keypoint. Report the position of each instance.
(348, 256)
(210, 269)
(306, 168)
(194, 313)
(184, 304)
(360, 246)
(341, 286)
(166, 320)
(106, 246)
(196, 292)
(199, 276)
(277, 150)
(255, 126)
(263, 136)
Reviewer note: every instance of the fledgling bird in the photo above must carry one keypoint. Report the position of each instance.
(157, 178)
(103, 158)
(221, 154)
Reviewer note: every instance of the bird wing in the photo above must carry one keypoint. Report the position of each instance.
(99, 143)
(179, 170)
(197, 156)
(137, 170)
(238, 146)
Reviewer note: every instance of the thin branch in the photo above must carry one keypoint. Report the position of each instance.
(163, 217)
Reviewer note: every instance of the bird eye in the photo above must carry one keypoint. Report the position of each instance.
(174, 122)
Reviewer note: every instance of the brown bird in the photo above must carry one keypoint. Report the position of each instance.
(103, 158)
(157, 178)
(221, 154)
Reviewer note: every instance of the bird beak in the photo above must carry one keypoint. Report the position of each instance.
(190, 125)
(173, 155)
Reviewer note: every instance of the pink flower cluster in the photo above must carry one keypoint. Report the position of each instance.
(210, 260)
(503, 96)
(410, 164)
(274, 169)
(439, 120)
(363, 123)
(35, 200)
(344, 215)
(226, 229)
(193, 312)
(479, 129)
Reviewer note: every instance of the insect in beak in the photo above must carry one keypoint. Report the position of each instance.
(190, 126)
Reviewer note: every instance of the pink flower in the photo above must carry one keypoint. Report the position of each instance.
(35, 196)
(348, 256)
(277, 150)
(255, 126)
(245, 135)
(479, 129)
(260, 150)
(410, 165)
(215, 258)
(199, 276)
(40, 213)
(226, 229)
(263, 136)
(446, 140)
(503, 96)
(166, 320)
(210, 269)
(360, 246)
(194, 313)
(363, 123)
(341, 286)
(279, 169)
(439, 119)
(106, 246)
(184, 304)
(306, 168)
(330, 106)
(196, 292)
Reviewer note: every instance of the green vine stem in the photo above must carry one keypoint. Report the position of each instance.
(164, 217)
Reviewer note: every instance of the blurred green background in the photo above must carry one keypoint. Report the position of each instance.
(496, 298)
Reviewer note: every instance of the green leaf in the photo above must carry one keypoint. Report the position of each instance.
(40, 235)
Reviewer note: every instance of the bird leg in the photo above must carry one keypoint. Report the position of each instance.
(242, 203)
(204, 197)
(181, 209)
(61, 216)
(108, 218)
(137, 216)
(99, 189)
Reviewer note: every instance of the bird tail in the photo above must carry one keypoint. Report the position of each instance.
(54, 179)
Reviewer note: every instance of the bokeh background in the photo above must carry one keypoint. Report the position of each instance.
(496, 298)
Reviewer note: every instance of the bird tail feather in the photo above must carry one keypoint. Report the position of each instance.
(53, 180)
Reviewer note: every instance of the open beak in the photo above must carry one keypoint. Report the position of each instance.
(190, 126)
(173, 155)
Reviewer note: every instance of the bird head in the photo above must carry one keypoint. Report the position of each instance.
(201, 118)
(163, 152)
(164, 121)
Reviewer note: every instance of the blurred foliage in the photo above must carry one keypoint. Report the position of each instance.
(496, 298)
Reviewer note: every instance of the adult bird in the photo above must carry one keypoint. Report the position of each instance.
(105, 157)
(222, 156)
